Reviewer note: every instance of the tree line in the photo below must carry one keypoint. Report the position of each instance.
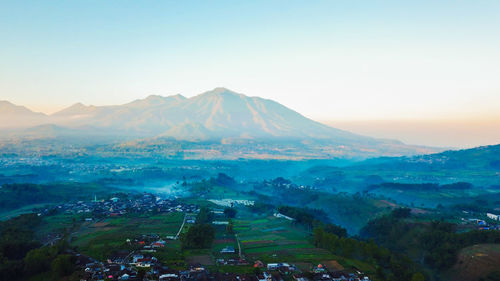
(437, 243)
(21, 257)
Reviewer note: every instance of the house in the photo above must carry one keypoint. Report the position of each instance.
(147, 262)
(218, 212)
(264, 277)
(272, 266)
(322, 276)
(136, 258)
(258, 264)
(159, 244)
(169, 276)
(319, 269)
(227, 250)
(339, 276)
(493, 216)
(280, 215)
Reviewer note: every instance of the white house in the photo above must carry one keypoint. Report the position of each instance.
(493, 216)
(279, 215)
(272, 266)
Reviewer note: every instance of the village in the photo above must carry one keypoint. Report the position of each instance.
(141, 263)
(122, 204)
(141, 266)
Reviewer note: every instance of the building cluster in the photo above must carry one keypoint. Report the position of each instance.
(147, 268)
(149, 242)
(231, 202)
(281, 183)
(117, 206)
(493, 216)
(490, 223)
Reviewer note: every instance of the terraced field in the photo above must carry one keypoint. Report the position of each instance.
(270, 234)
(272, 239)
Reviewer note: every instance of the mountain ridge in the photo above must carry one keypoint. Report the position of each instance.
(216, 115)
(222, 112)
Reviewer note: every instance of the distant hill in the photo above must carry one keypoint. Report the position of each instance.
(478, 158)
(220, 116)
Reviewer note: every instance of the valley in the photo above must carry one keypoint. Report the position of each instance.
(222, 186)
(104, 209)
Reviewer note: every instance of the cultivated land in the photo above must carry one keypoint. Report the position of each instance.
(265, 238)
(115, 209)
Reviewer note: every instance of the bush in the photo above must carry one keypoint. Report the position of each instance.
(198, 236)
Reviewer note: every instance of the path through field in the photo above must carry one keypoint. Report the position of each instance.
(182, 226)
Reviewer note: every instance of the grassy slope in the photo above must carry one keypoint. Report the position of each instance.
(475, 262)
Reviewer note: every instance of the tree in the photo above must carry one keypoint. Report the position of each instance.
(224, 180)
(204, 216)
(400, 213)
(418, 276)
(230, 212)
(38, 260)
(198, 236)
(335, 229)
(230, 227)
(63, 265)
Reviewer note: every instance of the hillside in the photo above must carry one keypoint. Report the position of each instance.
(476, 262)
(478, 158)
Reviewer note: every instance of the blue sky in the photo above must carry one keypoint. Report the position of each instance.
(330, 60)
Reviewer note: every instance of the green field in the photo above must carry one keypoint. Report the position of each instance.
(102, 238)
(264, 238)
(23, 210)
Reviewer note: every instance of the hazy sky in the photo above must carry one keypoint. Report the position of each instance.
(330, 60)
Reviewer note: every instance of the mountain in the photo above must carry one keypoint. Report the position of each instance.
(14, 116)
(215, 114)
(220, 116)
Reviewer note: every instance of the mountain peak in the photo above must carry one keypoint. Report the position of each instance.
(221, 91)
(6, 107)
(154, 97)
(77, 108)
(78, 105)
(158, 97)
(156, 100)
(178, 97)
(4, 102)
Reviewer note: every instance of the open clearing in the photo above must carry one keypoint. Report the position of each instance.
(475, 262)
